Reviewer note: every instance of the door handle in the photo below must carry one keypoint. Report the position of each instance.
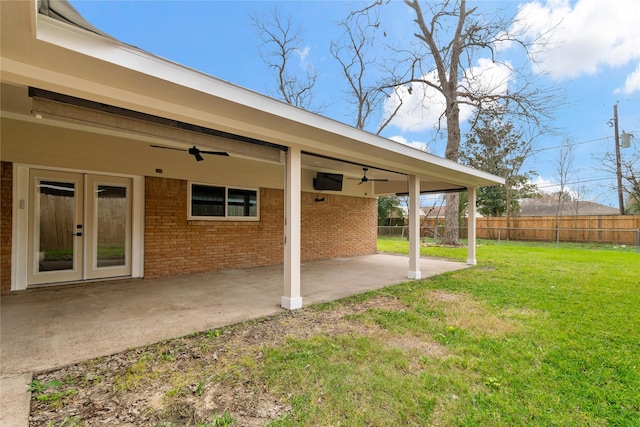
(77, 234)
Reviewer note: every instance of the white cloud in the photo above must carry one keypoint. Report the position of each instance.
(549, 187)
(545, 185)
(304, 57)
(423, 106)
(422, 146)
(303, 53)
(632, 84)
(503, 42)
(488, 77)
(582, 39)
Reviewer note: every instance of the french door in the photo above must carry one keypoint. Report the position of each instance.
(80, 227)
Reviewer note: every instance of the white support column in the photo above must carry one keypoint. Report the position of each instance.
(291, 298)
(471, 226)
(414, 228)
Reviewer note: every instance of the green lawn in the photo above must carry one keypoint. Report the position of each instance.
(576, 358)
(533, 335)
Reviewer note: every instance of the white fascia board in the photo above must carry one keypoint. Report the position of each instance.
(92, 45)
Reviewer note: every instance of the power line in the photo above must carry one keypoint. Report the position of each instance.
(569, 145)
(577, 143)
(575, 182)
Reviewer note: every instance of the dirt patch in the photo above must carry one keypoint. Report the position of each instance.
(473, 316)
(444, 296)
(424, 348)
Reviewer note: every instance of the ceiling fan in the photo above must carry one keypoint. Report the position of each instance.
(194, 151)
(365, 179)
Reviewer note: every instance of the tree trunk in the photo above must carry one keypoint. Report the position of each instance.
(451, 221)
(451, 215)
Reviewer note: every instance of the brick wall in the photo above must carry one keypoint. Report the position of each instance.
(6, 203)
(338, 227)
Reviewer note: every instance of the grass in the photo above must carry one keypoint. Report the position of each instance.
(400, 245)
(533, 335)
(577, 361)
(539, 336)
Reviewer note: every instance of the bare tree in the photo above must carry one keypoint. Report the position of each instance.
(564, 171)
(579, 191)
(281, 46)
(630, 171)
(358, 64)
(352, 53)
(451, 37)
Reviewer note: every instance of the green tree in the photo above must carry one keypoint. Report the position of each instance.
(499, 148)
(387, 206)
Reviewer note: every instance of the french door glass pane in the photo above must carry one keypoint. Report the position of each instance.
(57, 225)
(112, 225)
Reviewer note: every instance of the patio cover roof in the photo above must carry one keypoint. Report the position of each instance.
(61, 52)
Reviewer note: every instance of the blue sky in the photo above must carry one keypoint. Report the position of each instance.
(595, 61)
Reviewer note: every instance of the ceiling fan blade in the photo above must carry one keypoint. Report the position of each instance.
(167, 148)
(379, 179)
(215, 153)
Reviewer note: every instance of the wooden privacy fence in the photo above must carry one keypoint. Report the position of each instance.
(57, 223)
(617, 229)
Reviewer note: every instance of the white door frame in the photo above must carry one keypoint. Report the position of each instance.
(20, 223)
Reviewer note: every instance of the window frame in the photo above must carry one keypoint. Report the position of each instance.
(226, 216)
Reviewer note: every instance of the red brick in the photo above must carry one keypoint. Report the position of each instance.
(6, 215)
(340, 226)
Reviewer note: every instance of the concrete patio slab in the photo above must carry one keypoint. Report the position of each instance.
(51, 327)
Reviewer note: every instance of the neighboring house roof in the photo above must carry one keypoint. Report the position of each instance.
(548, 206)
(60, 52)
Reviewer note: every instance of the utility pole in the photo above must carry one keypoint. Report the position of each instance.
(618, 161)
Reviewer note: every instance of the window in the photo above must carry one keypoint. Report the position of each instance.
(216, 202)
